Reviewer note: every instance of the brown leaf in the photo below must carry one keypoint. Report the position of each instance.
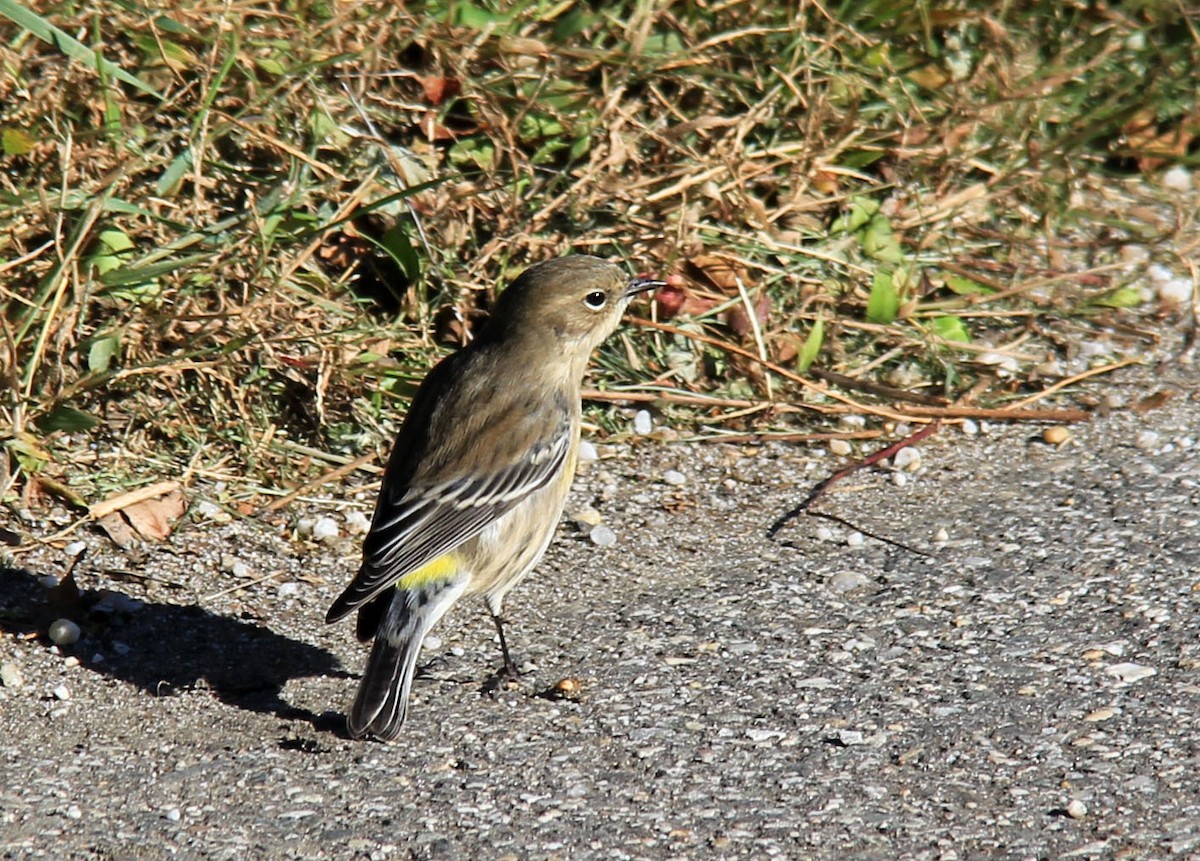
(1152, 402)
(154, 518)
(438, 88)
(148, 511)
(718, 272)
(739, 321)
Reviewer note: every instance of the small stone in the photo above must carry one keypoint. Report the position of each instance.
(304, 526)
(1056, 435)
(587, 452)
(62, 692)
(325, 529)
(840, 447)
(856, 539)
(432, 642)
(73, 812)
(970, 427)
(940, 535)
(357, 522)
(211, 511)
(240, 569)
(1146, 440)
(74, 548)
(675, 478)
(824, 533)
(602, 536)
(1130, 672)
(1076, 809)
(63, 632)
(71, 662)
(900, 479)
(847, 581)
(288, 589)
(1177, 178)
(10, 675)
(588, 516)
(908, 458)
(1177, 291)
(173, 814)
(642, 423)
(1100, 715)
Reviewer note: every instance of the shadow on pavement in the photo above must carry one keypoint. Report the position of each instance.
(167, 648)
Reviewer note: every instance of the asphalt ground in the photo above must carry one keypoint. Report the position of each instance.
(1029, 689)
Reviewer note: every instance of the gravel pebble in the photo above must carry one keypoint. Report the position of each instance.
(357, 522)
(1076, 809)
(856, 539)
(61, 692)
(587, 452)
(840, 447)
(602, 536)
(63, 632)
(325, 529)
(908, 458)
(10, 675)
(1177, 178)
(940, 535)
(642, 423)
(1146, 440)
(846, 581)
(1130, 672)
(674, 477)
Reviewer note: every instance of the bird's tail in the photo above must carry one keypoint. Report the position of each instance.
(381, 704)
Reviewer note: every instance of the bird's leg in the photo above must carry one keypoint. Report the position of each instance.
(509, 671)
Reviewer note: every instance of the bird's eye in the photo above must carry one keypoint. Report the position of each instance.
(596, 300)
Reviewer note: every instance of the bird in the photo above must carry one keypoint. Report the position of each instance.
(477, 478)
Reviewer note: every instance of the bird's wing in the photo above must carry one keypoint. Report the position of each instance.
(415, 524)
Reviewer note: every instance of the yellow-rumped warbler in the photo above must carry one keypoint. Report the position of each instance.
(476, 482)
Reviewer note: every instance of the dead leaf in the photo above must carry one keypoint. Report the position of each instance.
(438, 89)
(149, 512)
(717, 271)
(739, 321)
(1152, 402)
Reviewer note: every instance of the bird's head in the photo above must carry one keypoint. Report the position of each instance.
(578, 301)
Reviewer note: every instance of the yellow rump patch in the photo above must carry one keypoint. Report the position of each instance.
(442, 568)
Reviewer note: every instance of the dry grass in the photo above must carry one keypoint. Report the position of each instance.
(248, 272)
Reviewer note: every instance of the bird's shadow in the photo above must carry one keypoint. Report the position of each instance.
(167, 648)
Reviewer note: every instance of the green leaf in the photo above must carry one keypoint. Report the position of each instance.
(64, 418)
(879, 241)
(396, 243)
(572, 24)
(69, 45)
(966, 287)
(950, 329)
(101, 352)
(812, 346)
(112, 251)
(171, 178)
(16, 142)
(1122, 297)
(860, 212)
(884, 302)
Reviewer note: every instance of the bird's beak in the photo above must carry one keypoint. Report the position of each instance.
(641, 284)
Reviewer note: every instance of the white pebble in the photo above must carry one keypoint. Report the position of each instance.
(587, 452)
(674, 477)
(211, 511)
(908, 458)
(941, 536)
(240, 569)
(900, 479)
(1146, 440)
(71, 662)
(839, 447)
(304, 526)
(73, 812)
(288, 589)
(61, 692)
(63, 632)
(824, 533)
(846, 581)
(642, 424)
(1177, 291)
(173, 814)
(856, 539)
(74, 548)
(10, 675)
(357, 522)
(432, 643)
(1130, 672)
(853, 422)
(1177, 178)
(1076, 809)
(602, 536)
(970, 427)
(325, 529)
